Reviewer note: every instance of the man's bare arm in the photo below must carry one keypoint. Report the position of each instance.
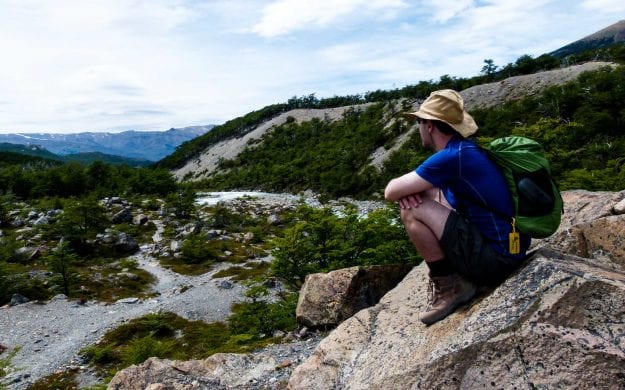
(406, 189)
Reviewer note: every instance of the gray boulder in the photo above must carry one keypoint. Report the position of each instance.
(140, 219)
(122, 216)
(328, 299)
(126, 243)
(18, 299)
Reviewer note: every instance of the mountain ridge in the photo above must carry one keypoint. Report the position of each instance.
(141, 145)
(479, 96)
(614, 33)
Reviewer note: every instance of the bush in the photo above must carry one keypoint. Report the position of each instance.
(196, 250)
(322, 241)
(260, 318)
(142, 348)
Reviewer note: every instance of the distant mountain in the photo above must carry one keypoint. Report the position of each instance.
(142, 145)
(608, 36)
(89, 157)
(28, 150)
(38, 152)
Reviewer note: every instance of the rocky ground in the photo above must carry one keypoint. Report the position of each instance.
(51, 334)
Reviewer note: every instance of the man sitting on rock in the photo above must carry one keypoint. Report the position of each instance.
(442, 202)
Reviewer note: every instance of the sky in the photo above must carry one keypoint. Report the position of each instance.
(88, 65)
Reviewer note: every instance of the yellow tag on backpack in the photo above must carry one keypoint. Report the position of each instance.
(514, 240)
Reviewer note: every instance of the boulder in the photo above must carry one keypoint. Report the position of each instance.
(120, 242)
(28, 252)
(581, 206)
(122, 216)
(602, 240)
(274, 220)
(327, 299)
(42, 220)
(140, 219)
(556, 323)
(125, 243)
(590, 227)
(175, 246)
(18, 299)
(219, 371)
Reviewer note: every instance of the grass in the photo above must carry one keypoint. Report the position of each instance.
(65, 380)
(168, 336)
(251, 270)
(112, 280)
(5, 362)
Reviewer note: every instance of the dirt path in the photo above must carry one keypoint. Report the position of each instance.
(51, 335)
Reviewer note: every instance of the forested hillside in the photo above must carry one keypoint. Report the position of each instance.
(580, 124)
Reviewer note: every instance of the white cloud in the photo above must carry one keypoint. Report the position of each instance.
(605, 6)
(285, 16)
(444, 10)
(74, 65)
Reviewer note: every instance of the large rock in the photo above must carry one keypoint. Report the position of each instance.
(557, 323)
(590, 229)
(219, 371)
(124, 215)
(328, 299)
(120, 242)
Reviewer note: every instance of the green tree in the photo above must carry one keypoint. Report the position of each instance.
(196, 250)
(489, 68)
(182, 201)
(321, 240)
(81, 220)
(61, 261)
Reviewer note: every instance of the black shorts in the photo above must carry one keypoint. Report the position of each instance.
(472, 256)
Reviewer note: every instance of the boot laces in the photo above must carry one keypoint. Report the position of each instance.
(436, 287)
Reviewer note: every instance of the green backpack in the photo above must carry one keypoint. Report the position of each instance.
(537, 201)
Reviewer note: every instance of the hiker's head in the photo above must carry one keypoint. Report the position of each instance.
(446, 106)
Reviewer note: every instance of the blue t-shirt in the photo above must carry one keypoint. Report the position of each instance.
(470, 181)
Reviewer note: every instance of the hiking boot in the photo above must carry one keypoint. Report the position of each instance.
(445, 294)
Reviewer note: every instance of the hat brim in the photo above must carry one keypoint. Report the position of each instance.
(466, 128)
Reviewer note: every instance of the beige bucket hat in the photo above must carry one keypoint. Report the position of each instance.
(446, 105)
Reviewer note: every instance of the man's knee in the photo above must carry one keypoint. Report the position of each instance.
(429, 214)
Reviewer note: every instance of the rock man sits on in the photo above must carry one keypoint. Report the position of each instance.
(454, 206)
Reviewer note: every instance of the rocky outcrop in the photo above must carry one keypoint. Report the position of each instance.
(593, 226)
(518, 87)
(558, 322)
(326, 300)
(266, 369)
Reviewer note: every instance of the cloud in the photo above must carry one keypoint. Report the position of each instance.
(71, 65)
(605, 6)
(444, 10)
(285, 16)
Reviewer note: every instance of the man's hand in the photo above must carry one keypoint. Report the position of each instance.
(410, 201)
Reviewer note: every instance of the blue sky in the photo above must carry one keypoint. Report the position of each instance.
(113, 65)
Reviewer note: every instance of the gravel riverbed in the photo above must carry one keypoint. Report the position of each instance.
(51, 334)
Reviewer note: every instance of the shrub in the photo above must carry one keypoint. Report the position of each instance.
(140, 349)
(197, 250)
(322, 241)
